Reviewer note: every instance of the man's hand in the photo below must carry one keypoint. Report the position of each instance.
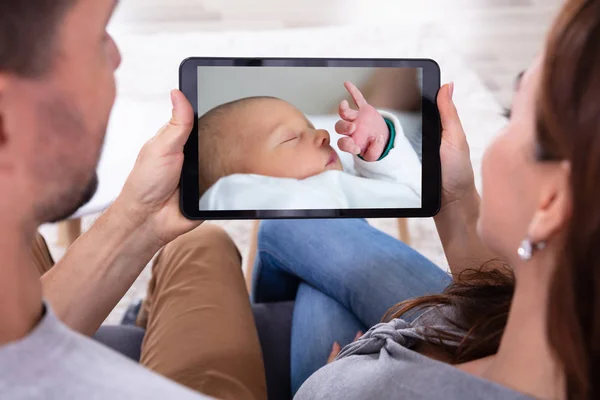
(366, 132)
(150, 197)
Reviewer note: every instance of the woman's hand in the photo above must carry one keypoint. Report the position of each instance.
(458, 180)
(335, 350)
(150, 197)
(365, 129)
(456, 222)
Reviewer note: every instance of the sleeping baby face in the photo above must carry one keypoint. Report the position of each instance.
(279, 141)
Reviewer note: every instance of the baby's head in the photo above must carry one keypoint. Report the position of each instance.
(264, 136)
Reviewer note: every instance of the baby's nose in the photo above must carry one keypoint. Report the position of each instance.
(322, 137)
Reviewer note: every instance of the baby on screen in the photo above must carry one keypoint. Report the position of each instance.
(244, 142)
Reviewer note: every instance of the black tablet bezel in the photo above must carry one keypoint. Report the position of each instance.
(431, 174)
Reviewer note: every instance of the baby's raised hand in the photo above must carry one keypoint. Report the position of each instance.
(366, 131)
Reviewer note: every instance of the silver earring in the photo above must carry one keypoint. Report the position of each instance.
(527, 248)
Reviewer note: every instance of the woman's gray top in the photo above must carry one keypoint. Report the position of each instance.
(380, 365)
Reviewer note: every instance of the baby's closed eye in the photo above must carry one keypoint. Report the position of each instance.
(290, 138)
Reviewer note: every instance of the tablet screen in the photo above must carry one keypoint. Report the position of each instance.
(298, 138)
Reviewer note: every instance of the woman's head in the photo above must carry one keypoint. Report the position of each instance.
(551, 141)
(542, 182)
(524, 195)
(521, 195)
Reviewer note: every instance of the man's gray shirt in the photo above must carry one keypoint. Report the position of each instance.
(54, 362)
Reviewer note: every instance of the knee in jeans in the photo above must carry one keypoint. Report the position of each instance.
(271, 231)
(269, 228)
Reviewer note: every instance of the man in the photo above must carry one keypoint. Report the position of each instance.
(57, 88)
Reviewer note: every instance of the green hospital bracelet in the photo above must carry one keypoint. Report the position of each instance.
(391, 140)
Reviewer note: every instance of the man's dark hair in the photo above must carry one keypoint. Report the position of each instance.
(28, 31)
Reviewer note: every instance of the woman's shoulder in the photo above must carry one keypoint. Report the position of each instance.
(381, 365)
(384, 336)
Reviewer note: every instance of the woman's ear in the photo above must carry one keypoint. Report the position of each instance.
(555, 205)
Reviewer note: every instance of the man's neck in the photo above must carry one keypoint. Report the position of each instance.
(20, 287)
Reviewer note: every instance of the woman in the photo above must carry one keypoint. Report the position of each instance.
(528, 330)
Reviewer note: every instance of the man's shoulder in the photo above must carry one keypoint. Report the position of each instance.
(57, 363)
(117, 376)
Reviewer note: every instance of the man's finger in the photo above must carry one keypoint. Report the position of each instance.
(335, 350)
(344, 127)
(375, 149)
(347, 113)
(348, 145)
(451, 125)
(356, 94)
(177, 131)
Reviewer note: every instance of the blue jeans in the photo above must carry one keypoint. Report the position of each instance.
(344, 276)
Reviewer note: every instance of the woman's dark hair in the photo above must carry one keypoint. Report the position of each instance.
(28, 34)
(479, 300)
(568, 128)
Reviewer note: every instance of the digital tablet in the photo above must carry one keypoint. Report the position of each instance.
(311, 138)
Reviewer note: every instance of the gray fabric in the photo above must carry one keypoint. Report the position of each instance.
(54, 362)
(380, 365)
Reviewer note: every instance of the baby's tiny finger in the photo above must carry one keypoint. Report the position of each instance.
(348, 145)
(358, 336)
(375, 149)
(346, 112)
(356, 94)
(344, 127)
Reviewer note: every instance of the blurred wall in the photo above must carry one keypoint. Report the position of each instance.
(313, 90)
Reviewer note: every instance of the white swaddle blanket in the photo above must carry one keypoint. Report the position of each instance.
(394, 182)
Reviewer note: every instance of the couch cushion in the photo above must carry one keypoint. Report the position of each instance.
(274, 325)
(126, 339)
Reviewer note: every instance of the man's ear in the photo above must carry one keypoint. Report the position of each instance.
(5, 152)
(2, 133)
(555, 205)
(2, 96)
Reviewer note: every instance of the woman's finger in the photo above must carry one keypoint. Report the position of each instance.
(348, 145)
(345, 128)
(376, 147)
(347, 113)
(452, 129)
(356, 94)
(335, 350)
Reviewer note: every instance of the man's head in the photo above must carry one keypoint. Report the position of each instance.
(264, 136)
(57, 88)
